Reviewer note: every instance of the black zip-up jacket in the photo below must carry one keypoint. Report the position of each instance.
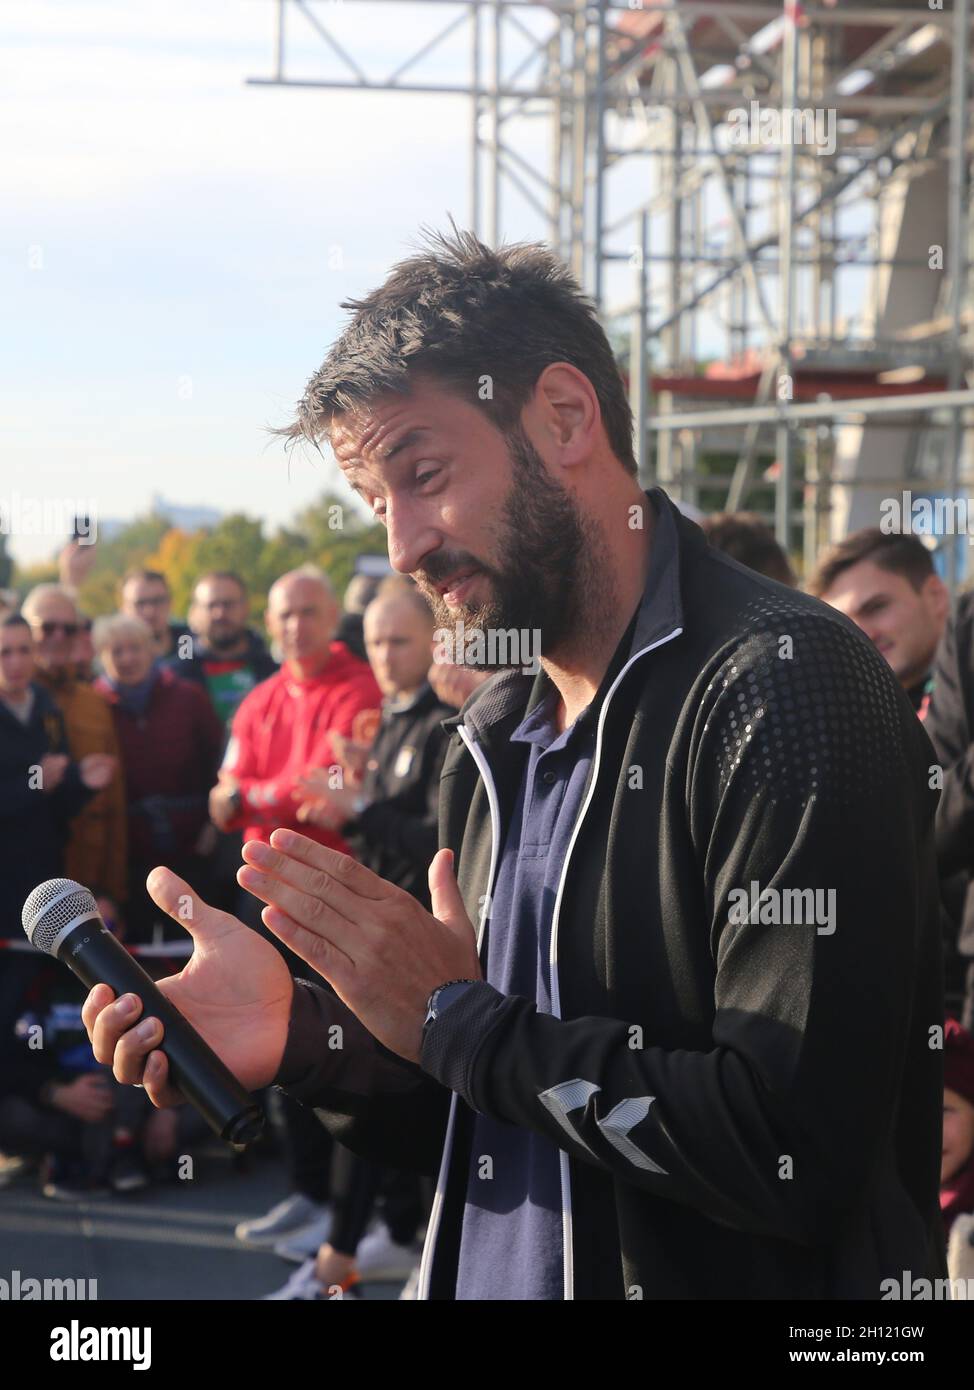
(396, 834)
(949, 726)
(745, 1110)
(33, 823)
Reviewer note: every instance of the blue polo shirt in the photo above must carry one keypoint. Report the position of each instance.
(511, 1241)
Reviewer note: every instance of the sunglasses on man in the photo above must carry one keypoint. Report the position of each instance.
(48, 628)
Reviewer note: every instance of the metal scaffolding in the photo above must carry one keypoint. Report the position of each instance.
(768, 203)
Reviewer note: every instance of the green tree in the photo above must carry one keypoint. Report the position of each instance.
(329, 533)
(337, 535)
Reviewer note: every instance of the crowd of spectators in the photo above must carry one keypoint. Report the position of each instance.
(139, 740)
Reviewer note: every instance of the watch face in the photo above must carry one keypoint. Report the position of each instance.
(446, 995)
(434, 1005)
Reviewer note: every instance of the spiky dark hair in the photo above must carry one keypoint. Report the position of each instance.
(462, 314)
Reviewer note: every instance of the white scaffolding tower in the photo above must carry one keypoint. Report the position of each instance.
(781, 190)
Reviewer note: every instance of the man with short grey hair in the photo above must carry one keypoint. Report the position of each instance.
(96, 853)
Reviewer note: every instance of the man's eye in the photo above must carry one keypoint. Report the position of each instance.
(425, 477)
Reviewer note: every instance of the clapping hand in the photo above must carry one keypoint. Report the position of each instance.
(97, 770)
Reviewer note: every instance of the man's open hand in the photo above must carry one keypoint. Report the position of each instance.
(235, 991)
(380, 950)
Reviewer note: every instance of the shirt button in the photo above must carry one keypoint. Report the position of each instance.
(548, 778)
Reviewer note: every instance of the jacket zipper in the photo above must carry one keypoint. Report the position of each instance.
(568, 1266)
(483, 768)
(436, 1212)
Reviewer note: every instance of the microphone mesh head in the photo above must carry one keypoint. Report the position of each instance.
(51, 907)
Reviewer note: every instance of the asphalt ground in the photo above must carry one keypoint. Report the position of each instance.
(167, 1242)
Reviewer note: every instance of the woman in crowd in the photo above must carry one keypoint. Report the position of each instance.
(171, 742)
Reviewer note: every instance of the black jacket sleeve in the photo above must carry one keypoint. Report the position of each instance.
(372, 1101)
(948, 726)
(801, 773)
(399, 827)
(70, 795)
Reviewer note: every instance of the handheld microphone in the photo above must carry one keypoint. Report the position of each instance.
(62, 919)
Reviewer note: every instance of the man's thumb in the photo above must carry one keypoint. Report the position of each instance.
(444, 894)
(178, 900)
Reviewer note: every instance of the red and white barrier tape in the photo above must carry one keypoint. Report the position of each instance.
(152, 948)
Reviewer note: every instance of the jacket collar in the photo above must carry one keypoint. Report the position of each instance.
(160, 678)
(42, 704)
(422, 699)
(660, 611)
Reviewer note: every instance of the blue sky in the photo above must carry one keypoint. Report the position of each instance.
(175, 244)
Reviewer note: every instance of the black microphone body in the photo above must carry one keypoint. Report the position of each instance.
(90, 950)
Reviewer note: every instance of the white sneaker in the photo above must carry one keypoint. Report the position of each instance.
(304, 1287)
(307, 1240)
(379, 1257)
(301, 1285)
(290, 1215)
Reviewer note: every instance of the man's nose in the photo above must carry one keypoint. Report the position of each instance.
(409, 539)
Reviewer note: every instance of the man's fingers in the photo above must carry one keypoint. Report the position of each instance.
(98, 998)
(133, 1059)
(320, 954)
(310, 912)
(111, 1023)
(173, 894)
(132, 1050)
(273, 865)
(118, 1044)
(340, 867)
(448, 906)
(178, 900)
(155, 1079)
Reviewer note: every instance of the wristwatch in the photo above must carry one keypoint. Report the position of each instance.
(442, 997)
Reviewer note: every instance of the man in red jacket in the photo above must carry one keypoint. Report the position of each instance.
(282, 730)
(286, 725)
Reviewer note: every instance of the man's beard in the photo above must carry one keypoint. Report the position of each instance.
(225, 641)
(554, 581)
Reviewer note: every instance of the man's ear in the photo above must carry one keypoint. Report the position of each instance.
(939, 595)
(565, 409)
